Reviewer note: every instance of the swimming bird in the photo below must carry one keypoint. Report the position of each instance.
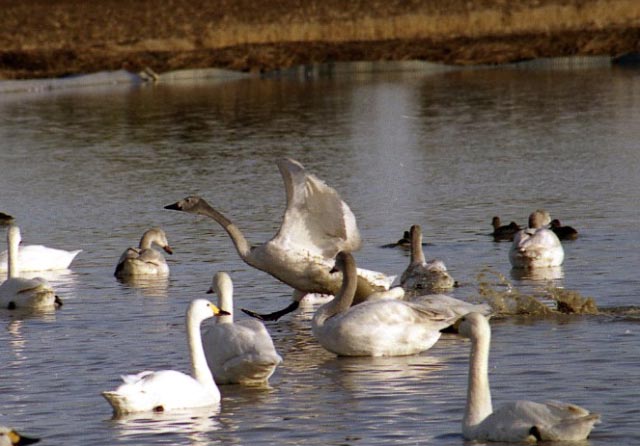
(20, 293)
(10, 437)
(166, 390)
(40, 258)
(404, 242)
(239, 352)
(503, 232)
(5, 219)
(422, 276)
(563, 232)
(536, 246)
(519, 421)
(386, 327)
(316, 225)
(145, 260)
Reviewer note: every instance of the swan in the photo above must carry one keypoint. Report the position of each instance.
(169, 389)
(316, 225)
(536, 246)
(387, 327)
(40, 258)
(145, 260)
(563, 232)
(503, 232)
(237, 352)
(10, 437)
(20, 293)
(517, 421)
(423, 276)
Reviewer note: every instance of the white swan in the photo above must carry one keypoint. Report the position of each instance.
(10, 437)
(20, 293)
(422, 276)
(517, 421)
(536, 246)
(316, 225)
(40, 258)
(168, 389)
(384, 327)
(240, 352)
(144, 260)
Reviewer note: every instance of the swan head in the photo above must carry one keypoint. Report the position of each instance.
(188, 204)
(344, 262)
(223, 287)
(9, 436)
(539, 218)
(201, 309)
(157, 236)
(472, 325)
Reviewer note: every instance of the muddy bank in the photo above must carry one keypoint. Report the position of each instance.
(48, 38)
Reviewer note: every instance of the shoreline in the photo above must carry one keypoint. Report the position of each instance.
(56, 38)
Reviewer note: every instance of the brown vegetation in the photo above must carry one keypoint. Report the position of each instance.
(56, 37)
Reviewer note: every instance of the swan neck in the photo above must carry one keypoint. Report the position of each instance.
(13, 243)
(225, 302)
(478, 392)
(241, 244)
(417, 255)
(199, 367)
(344, 298)
(146, 240)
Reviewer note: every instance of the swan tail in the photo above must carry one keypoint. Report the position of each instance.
(118, 402)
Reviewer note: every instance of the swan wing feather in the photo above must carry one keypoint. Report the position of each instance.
(316, 219)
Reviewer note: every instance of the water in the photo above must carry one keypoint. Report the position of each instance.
(92, 169)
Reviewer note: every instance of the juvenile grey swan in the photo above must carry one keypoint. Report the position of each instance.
(316, 225)
(144, 260)
(518, 421)
(423, 277)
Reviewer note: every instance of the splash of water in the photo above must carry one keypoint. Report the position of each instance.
(505, 299)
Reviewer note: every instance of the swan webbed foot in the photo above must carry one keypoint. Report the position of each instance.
(275, 315)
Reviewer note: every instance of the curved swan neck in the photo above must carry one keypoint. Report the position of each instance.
(13, 244)
(417, 256)
(223, 287)
(478, 391)
(241, 244)
(147, 240)
(199, 367)
(344, 297)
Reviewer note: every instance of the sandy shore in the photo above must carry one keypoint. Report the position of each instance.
(50, 38)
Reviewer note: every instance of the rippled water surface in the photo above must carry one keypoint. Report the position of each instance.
(92, 169)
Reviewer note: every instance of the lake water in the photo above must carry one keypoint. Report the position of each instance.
(93, 168)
